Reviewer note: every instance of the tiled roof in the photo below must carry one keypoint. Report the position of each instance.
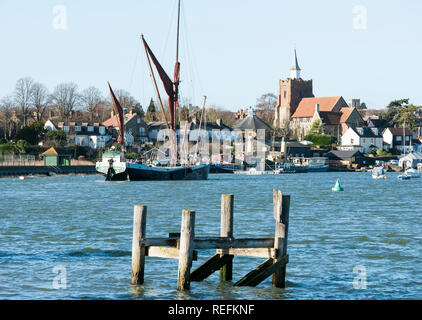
(330, 118)
(345, 114)
(252, 122)
(366, 132)
(113, 122)
(306, 107)
(342, 154)
(50, 152)
(399, 131)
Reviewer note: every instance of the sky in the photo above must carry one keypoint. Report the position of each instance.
(231, 51)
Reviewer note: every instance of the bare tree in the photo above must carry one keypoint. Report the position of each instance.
(22, 97)
(125, 98)
(267, 101)
(104, 110)
(65, 97)
(6, 115)
(91, 98)
(39, 99)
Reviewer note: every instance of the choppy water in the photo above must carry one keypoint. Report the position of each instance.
(83, 226)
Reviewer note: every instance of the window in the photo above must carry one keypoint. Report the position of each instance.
(407, 138)
(66, 128)
(78, 128)
(90, 129)
(141, 131)
(285, 94)
(398, 138)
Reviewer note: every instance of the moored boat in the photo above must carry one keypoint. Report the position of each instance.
(113, 164)
(413, 173)
(378, 173)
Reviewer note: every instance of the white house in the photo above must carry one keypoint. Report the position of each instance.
(361, 139)
(398, 138)
(85, 134)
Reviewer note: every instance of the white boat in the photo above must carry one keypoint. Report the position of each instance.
(378, 173)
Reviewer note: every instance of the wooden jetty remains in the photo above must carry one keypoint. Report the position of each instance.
(185, 245)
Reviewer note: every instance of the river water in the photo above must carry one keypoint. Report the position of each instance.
(70, 237)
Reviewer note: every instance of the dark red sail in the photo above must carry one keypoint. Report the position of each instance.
(168, 84)
(118, 110)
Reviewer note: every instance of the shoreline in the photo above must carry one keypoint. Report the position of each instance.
(16, 171)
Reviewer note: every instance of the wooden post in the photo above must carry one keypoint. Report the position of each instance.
(138, 250)
(226, 230)
(187, 234)
(281, 205)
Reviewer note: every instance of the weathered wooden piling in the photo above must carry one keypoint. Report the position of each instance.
(281, 204)
(187, 234)
(138, 249)
(184, 245)
(226, 230)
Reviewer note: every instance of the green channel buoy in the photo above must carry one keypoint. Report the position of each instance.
(337, 186)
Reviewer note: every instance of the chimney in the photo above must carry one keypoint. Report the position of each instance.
(317, 108)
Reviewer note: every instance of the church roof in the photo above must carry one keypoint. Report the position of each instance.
(306, 107)
(295, 65)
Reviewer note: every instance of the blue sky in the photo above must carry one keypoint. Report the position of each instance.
(232, 51)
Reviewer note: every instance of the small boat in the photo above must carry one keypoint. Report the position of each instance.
(403, 177)
(412, 173)
(378, 173)
(317, 165)
(21, 178)
(337, 186)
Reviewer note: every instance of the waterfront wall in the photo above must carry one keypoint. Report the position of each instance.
(7, 171)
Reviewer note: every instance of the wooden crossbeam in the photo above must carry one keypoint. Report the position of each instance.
(263, 271)
(212, 243)
(166, 252)
(250, 252)
(210, 266)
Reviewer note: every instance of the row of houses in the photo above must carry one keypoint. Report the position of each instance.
(137, 131)
(363, 135)
(366, 139)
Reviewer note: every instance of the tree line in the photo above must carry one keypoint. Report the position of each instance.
(31, 102)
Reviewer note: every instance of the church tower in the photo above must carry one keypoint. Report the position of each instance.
(291, 92)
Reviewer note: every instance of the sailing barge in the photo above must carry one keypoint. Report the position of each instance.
(114, 165)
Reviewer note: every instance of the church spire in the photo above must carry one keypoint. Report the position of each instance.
(295, 69)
